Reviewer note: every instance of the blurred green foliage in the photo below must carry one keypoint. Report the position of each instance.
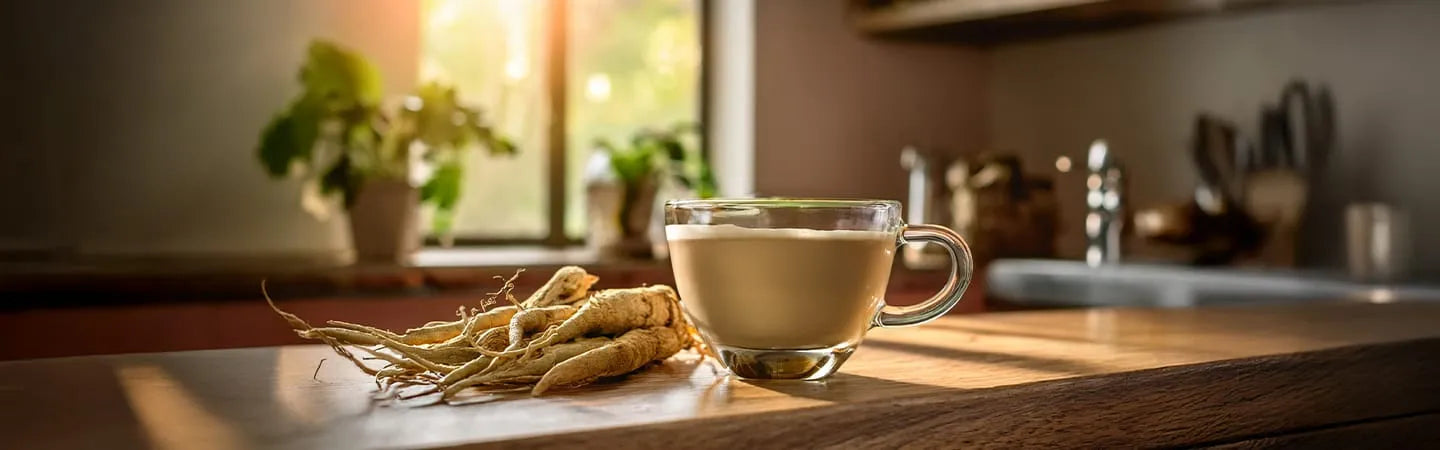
(650, 52)
(662, 152)
(336, 130)
(656, 154)
(494, 51)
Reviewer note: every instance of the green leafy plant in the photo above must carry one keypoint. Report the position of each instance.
(338, 136)
(654, 154)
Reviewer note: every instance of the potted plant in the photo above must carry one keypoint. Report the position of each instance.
(624, 182)
(382, 163)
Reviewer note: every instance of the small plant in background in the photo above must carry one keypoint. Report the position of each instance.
(337, 136)
(655, 155)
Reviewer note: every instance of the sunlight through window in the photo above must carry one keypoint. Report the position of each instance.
(631, 64)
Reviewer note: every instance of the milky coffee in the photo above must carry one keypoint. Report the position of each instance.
(780, 288)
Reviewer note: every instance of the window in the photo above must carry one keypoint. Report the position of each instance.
(625, 65)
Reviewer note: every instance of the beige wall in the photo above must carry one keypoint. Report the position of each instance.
(134, 122)
(833, 108)
(1141, 90)
(139, 168)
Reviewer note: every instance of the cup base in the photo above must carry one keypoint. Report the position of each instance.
(775, 364)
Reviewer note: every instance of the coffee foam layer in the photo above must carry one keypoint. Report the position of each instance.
(687, 232)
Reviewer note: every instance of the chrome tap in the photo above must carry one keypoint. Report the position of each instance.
(920, 207)
(917, 202)
(1104, 218)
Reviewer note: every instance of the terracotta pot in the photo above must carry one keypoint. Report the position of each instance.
(384, 222)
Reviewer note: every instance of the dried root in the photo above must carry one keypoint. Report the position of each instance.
(494, 339)
(536, 319)
(562, 335)
(615, 312)
(630, 351)
(447, 330)
(347, 336)
(299, 324)
(567, 286)
(536, 365)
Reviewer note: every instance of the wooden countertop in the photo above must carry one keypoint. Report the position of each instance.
(1077, 378)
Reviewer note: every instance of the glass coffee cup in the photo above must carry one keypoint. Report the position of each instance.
(787, 288)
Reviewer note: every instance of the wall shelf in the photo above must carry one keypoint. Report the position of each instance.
(990, 22)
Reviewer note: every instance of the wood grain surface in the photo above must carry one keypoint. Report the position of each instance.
(1088, 378)
(1419, 431)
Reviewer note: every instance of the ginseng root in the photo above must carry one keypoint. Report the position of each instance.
(536, 319)
(443, 332)
(561, 335)
(470, 368)
(535, 365)
(630, 351)
(449, 355)
(524, 323)
(348, 336)
(494, 339)
(567, 286)
(404, 361)
(298, 324)
(613, 312)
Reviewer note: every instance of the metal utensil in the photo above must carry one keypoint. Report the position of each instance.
(1306, 128)
(1274, 148)
(1299, 125)
(1323, 140)
(1214, 151)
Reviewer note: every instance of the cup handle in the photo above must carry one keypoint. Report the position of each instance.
(949, 296)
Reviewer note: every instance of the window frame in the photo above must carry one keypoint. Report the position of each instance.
(557, 72)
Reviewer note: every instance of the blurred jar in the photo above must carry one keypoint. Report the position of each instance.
(1377, 242)
(1005, 212)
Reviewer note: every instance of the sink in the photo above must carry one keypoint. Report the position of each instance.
(1058, 283)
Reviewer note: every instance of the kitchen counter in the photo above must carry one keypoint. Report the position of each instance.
(1041, 283)
(1241, 376)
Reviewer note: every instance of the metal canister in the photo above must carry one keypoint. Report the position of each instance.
(1377, 242)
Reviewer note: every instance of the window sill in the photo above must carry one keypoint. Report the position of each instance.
(58, 280)
(503, 256)
(78, 281)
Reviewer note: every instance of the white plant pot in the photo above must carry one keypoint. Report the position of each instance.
(384, 222)
(613, 236)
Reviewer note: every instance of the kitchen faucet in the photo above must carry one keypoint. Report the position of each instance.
(1104, 218)
(917, 203)
(920, 207)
